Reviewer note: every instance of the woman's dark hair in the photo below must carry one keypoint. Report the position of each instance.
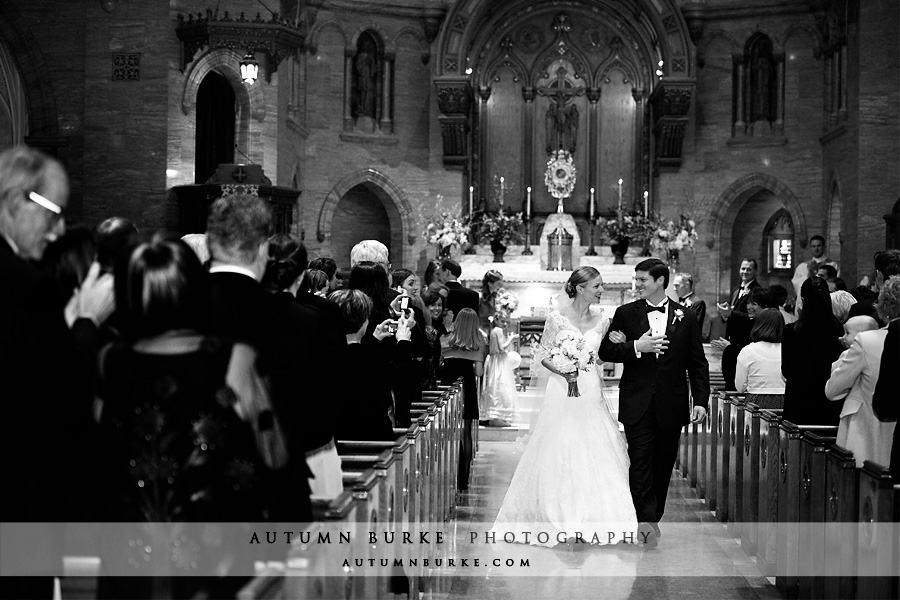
(492, 276)
(768, 326)
(312, 281)
(431, 272)
(398, 276)
(325, 264)
(579, 276)
(356, 308)
(778, 294)
(69, 258)
(760, 296)
(287, 261)
(113, 237)
(431, 297)
(816, 321)
(160, 286)
(371, 279)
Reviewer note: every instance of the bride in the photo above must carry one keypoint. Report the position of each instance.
(572, 479)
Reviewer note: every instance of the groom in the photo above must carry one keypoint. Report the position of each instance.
(661, 353)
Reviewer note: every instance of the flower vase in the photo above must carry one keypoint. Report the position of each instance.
(499, 249)
(619, 249)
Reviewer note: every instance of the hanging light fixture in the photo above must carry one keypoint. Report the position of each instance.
(249, 69)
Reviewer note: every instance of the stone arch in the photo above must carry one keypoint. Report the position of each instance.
(617, 63)
(379, 32)
(777, 44)
(729, 204)
(416, 35)
(391, 195)
(811, 32)
(703, 46)
(505, 62)
(25, 50)
(223, 61)
(317, 31)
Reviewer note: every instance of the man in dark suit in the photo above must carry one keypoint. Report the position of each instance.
(48, 371)
(458, 295)
(684, 287)
(288, 337)
(662, 352)
(884, 400)
(737, 321)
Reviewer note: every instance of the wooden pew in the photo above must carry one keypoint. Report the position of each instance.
(723, 456)
(712, 451)
(876, 551)
(736, 464)
(769, 476)
(813, 503)
(787, 566)
(841, 514)
(750, 485)
(702, 453)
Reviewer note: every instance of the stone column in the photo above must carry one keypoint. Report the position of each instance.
(528, 155)
(740, 124)
(637, 178)
(348, 88)
(387, 124)
(836, 84)
(593, 96)
(779, 94)
(484, 94)
(842, 108)
(826, 93)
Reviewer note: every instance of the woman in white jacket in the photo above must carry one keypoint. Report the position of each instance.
(853, 380)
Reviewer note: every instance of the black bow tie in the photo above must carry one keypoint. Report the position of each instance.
(661, 309)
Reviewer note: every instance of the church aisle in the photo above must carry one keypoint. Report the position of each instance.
(696, 557)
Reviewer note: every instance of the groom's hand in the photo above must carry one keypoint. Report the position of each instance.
(651, 343)
(698, 414)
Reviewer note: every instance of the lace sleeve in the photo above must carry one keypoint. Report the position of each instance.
(551, 329)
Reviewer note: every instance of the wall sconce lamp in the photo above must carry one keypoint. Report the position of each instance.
(249, 69)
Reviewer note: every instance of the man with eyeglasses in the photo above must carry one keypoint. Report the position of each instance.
(46, 368)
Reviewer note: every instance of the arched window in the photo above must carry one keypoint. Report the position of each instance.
(779, 236)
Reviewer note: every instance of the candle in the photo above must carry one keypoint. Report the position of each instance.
(646, 203)
(471, 198)
(528, 203)
(501, 191)
(620, 194)
(592, 203)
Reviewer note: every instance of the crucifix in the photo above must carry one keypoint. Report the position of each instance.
(561, 120)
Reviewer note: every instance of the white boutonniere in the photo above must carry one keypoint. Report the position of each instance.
(679, 314)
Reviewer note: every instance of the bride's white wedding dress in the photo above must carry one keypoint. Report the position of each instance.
(573, 475)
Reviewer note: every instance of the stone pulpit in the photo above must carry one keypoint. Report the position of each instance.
(194, 200)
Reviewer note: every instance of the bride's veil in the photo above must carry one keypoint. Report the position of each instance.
(540, 376)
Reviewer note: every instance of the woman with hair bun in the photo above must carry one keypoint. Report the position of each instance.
(573, 475)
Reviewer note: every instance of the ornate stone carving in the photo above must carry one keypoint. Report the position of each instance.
(670, 103)
(454, 95)
(529, 38)
(679, 65)
(594, 40)
(454, 99)
(670, 22)
(451, 65)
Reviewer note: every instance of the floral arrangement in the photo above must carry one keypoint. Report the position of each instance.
(626, 226)
(560, 175)
(569, 355)
(675, 235)
(506, 301)
(500, 226)
(446, 230)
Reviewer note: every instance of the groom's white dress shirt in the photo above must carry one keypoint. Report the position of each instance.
(657, 320)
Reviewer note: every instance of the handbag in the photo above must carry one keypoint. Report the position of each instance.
(254, 406)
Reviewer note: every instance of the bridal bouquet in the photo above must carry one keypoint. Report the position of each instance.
(506, 301)
(569, 355)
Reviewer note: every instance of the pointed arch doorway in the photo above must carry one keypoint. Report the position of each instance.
(216, 115)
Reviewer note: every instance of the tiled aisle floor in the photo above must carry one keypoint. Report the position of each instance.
(696, 557)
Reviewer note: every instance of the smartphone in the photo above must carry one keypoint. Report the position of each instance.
(404, 303)
(392, 326)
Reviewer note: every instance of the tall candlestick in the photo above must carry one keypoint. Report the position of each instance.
(592, 203)
(528, 203)
(646, 203)
(620, 195)
(471, 199)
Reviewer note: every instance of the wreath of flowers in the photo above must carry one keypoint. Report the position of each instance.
(560, 175)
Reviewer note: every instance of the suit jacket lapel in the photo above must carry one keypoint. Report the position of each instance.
(641, 314)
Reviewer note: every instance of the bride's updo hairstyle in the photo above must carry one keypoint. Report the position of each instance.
(579, 276)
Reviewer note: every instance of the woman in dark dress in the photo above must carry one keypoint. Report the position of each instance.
(434, 307)
(490, 285)
(463, 351)
(175, 447)
(808, 348)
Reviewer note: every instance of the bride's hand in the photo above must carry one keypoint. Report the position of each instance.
(617, 337)
(571, 376)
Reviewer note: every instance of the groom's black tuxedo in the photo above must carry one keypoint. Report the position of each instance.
(654, 400)
(661, 378)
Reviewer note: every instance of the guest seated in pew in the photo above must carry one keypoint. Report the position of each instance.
(758, 370)
(463, 351)
(175, 410)
(365, 398)
(808, 347)
(853, 380)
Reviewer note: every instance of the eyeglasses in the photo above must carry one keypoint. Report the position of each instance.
(53, 207)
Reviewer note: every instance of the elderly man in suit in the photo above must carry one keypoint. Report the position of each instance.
(684, 287)
(737, 321)
(661, 354)
(48, 390)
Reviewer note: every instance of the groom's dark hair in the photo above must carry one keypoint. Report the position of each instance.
(655, 268)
